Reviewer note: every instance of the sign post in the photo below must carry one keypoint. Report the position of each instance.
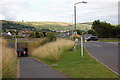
(82, 46)
(15, 45)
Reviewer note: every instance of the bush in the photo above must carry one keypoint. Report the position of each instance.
(51, 37)
(19, 37)
(32, 35)
(7, 36)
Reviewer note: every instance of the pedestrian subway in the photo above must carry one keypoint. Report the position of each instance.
(22, 49)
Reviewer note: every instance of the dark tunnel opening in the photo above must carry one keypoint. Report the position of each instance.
(22, 50)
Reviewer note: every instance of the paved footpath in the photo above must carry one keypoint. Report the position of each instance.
(30, 68)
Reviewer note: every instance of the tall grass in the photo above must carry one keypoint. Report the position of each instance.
(35, 44)
(32, 45)
(0, 59)
(8, 59)
(53, 51)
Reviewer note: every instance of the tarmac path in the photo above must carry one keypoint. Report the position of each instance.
(31, 68)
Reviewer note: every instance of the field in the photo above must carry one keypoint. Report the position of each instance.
(75, 66)
(9, 60)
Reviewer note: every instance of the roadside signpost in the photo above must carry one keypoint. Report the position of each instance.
(82, 51)
(15, 44)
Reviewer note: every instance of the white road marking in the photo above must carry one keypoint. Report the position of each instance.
(97, 45)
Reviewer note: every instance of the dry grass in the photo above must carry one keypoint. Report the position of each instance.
(34, 44)
(51, 23)
(8, 59)
(0, 59)
(53, 51)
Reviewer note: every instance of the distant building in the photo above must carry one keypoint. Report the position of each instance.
(64, 34)
(6, 35)
(9, 33)
(75, 36)
(24, 32)
(46, 30)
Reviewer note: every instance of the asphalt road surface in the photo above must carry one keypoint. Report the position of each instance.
(30, 68)
(106, 53)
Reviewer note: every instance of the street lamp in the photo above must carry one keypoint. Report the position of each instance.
(75, 12)
(75, 25)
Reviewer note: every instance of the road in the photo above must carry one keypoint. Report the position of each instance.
(106, 53)
(30, 68)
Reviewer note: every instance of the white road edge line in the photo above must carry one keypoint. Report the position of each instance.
(101, 62)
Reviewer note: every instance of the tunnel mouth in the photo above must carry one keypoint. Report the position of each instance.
(22, 50)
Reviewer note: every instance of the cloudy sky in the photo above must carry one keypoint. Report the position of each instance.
(59, 10)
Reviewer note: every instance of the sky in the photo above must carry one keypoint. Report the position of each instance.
(59, 10)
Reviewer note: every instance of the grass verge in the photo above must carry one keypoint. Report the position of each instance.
(108, 40)
(75, 66)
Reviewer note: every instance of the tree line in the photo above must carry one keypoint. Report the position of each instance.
(104, 30)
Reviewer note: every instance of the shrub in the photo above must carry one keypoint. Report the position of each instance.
(51, 37)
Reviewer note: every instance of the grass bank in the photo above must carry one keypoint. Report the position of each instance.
(9, 60)
(53, 51)
(108, 40)
(75, 66)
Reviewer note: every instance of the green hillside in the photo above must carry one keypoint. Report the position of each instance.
(14, 25)
(56, 25)
(45, 25)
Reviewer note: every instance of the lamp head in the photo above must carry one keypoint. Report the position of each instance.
(81, 2)
(84, 2)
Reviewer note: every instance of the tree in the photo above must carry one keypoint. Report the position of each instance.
(91, 32)
(103, 29)
(37, 35)
(44, 33)
(79, 32)
(117, 30)
(32, 35)
(41, 35)
(51, 37)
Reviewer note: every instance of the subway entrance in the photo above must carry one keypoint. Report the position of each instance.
(22, 49)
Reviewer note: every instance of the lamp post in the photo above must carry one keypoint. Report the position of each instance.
(75, 13)
(75, 25)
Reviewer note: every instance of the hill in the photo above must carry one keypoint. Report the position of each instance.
(43, 25)
(14, 25)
